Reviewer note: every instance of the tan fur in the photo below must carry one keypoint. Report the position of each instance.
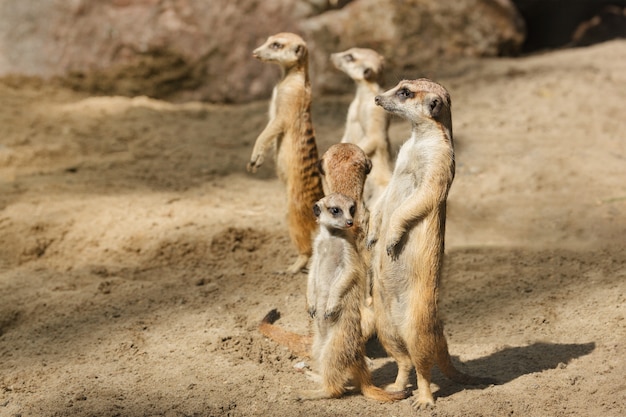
(409, 225)
(296, 343)
(367, 125)
(344, 168)
(290, 132)
(334, 298)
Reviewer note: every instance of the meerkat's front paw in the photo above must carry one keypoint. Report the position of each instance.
(331, 315)
(392, 251)
(255, 162)
(312, 312)
(370, 241)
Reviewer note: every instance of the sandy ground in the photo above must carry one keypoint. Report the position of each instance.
(137, 256)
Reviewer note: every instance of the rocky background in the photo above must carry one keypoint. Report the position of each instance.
(184, 49)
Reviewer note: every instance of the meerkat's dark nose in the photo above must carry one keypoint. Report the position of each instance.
(377, 100)
(349, 223)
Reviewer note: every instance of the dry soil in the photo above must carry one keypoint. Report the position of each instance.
(137, 255)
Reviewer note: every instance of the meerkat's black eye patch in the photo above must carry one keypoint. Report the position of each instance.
(335, 211)
(348, 57)
(276, 45)
(352, 210)
(405, 93)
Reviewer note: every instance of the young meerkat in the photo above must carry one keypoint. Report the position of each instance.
(344, 168)
(334, 299)
(367, 124)
(290, 132)
(408, 224)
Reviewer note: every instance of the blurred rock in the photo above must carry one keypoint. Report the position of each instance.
(161, 48)
(413, 35)
(185, 49)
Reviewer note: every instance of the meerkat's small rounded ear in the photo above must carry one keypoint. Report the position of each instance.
(300, 51)
(369, 74)
(368, 166)
(317, 210)
(320, 166)
(434, 104)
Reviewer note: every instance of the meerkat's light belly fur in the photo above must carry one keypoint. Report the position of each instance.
(408, 265)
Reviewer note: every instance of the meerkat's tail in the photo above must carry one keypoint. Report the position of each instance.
(379, 394)
(298, 344)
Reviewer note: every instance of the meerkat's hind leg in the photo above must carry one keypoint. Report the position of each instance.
(402, 379)
(300, 265)
(363, 381)
(421, 355)
(424, 398)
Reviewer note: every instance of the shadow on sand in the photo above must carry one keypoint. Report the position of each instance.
(502, 366)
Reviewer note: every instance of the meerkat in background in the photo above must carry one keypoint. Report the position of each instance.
(367, 125)
(408, 224)
(334, 299)
(290, 132)
(344, 168)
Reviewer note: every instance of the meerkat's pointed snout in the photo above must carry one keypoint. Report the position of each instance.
(377, 100)
(349, 223)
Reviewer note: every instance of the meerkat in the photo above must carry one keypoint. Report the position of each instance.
(344, 168)
(407, 230)
(367, 125)
(290, 132)
(334, 299)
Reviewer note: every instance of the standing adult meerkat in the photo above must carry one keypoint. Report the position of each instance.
(290, 132)
(367, 125)
(409, 224)
(334, 299)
